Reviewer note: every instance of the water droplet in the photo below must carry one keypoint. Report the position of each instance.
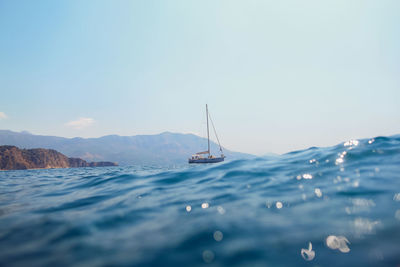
(397, 215)
(362, 202)
(396, 197)
(279, 205)
(371, 141)
(221, 210)
(364, 226)
(205, 205)
(348, 210)
(338, 242)
(307, 176)
(208, 256)
(318, 192)
(188, 208)
(218, 236)
(308, 254)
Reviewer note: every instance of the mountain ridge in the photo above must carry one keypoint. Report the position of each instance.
(160, 149)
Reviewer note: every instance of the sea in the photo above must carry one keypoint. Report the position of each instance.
(331, 206)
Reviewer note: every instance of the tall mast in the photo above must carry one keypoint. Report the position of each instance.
(208, 132)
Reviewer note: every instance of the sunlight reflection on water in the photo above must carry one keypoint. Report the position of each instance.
(255, 212)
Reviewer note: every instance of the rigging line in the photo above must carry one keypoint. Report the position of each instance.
(212, 123)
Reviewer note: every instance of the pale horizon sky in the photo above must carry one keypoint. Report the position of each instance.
(277, 75)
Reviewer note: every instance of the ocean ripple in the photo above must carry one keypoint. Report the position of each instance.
(340, 202)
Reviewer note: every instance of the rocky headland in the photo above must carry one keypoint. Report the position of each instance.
(13, 158)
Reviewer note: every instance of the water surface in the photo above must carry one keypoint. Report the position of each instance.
(257, 212)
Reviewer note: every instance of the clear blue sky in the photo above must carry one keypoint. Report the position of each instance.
(277, 75)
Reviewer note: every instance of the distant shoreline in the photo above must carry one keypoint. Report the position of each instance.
(53, 168)
(14, 158)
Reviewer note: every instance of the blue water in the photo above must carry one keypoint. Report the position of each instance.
(259, 212)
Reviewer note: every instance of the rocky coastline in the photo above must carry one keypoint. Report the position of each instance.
(14, 158)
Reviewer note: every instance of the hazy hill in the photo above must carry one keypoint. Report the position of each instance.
(160, 149)
(13, 158)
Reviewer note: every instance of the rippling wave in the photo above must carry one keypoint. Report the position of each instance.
(321, 206)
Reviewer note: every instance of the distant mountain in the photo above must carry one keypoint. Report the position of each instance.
(160, 149)
(13, 158)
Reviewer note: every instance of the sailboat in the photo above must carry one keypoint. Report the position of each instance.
(199, 156)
